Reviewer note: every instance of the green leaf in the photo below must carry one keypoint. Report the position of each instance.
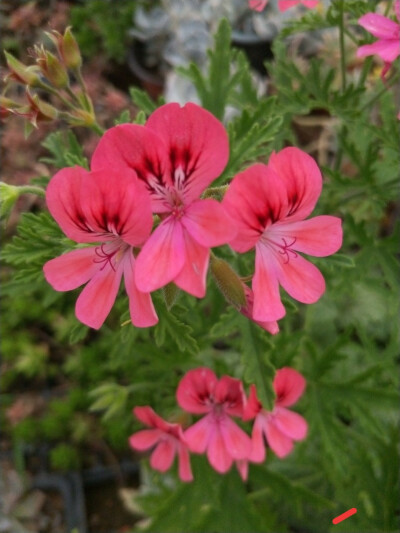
(170, 327)
(142, 100)
(65, 149)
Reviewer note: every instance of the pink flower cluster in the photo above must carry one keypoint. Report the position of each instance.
(216, 434)
(162, 168)
(283, 5)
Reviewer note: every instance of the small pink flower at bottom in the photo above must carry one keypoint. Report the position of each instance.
(257, 5)
(113, 210)
(200, 392)
(168, 440)
(281, 426)
(283, 5)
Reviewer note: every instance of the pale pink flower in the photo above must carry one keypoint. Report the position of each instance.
(177, 154)
(269, 205)
(281, 426)
(257, 5)
(388, 33)
(200, 392)
(167, 439)
(114, 211)
(283, 5)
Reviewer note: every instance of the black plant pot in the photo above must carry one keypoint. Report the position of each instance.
(257, 49)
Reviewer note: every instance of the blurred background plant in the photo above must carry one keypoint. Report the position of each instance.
(73, 389)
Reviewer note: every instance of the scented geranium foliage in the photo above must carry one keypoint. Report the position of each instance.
(113, 211)
(269, 204)
(177, 154)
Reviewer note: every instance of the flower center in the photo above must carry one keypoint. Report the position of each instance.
(284, 247)
(110, 253)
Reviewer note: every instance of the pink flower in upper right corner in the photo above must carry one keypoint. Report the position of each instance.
(200, 392)
(283, 5)
(269, 204)
(281, 426)
(167, 440)
(387, 32)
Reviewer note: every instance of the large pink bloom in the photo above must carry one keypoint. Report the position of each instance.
(177, 154)
(168, 440)
(200, 392)
(282, 426)
(113, 210)
(283, 5)
(268, 204)
(388, 33)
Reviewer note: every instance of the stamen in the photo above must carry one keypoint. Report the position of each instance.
(105, 256)
(284, 249)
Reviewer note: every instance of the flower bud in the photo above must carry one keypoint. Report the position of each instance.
(21, 73)
(8, 196)
(67, 48)
(52, 69)
(170, 293)
(7, 106)
(228, 282)
(80, 117)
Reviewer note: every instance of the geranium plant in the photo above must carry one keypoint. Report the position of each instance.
(203, 221)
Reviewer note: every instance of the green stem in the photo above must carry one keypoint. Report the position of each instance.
(97, 129)
(32, 189)
(342, 48)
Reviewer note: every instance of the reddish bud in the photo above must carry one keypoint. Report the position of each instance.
(21, 73)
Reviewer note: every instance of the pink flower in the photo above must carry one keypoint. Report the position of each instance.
(269, 205)
(200, 392)
(283, 5)
(113, 210)
(257, 5)
(168, 440)
(177, 154)
(388, 33)
(282, 426)
(272, 327)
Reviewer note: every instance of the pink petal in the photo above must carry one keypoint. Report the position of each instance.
(71, 270)
(267, 300)
(243, 468)
(301, 279)
(195, 390)
(289, 385)
(147, 416)
(192, 277)
(283, 5)
(272, 327)
(208, 223)
(145, 439)
(302, 179)
(319, 236)
(253, 405)
(255, 198)
(257, 454)
(130, 147)
(197, 146)
(387, 50)
(141, 307)
(198, 436)
(237, 442)
(257, 5)
(97, 298)
(162, 256)
(162, 457)
(380, 26)
(310, 4)
(290, 424)
(229, 391)
(63, 198)
(185, 470)
(117, 203)
(217, 453)
(277, 441)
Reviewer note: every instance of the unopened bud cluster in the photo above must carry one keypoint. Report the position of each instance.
(50, 74)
